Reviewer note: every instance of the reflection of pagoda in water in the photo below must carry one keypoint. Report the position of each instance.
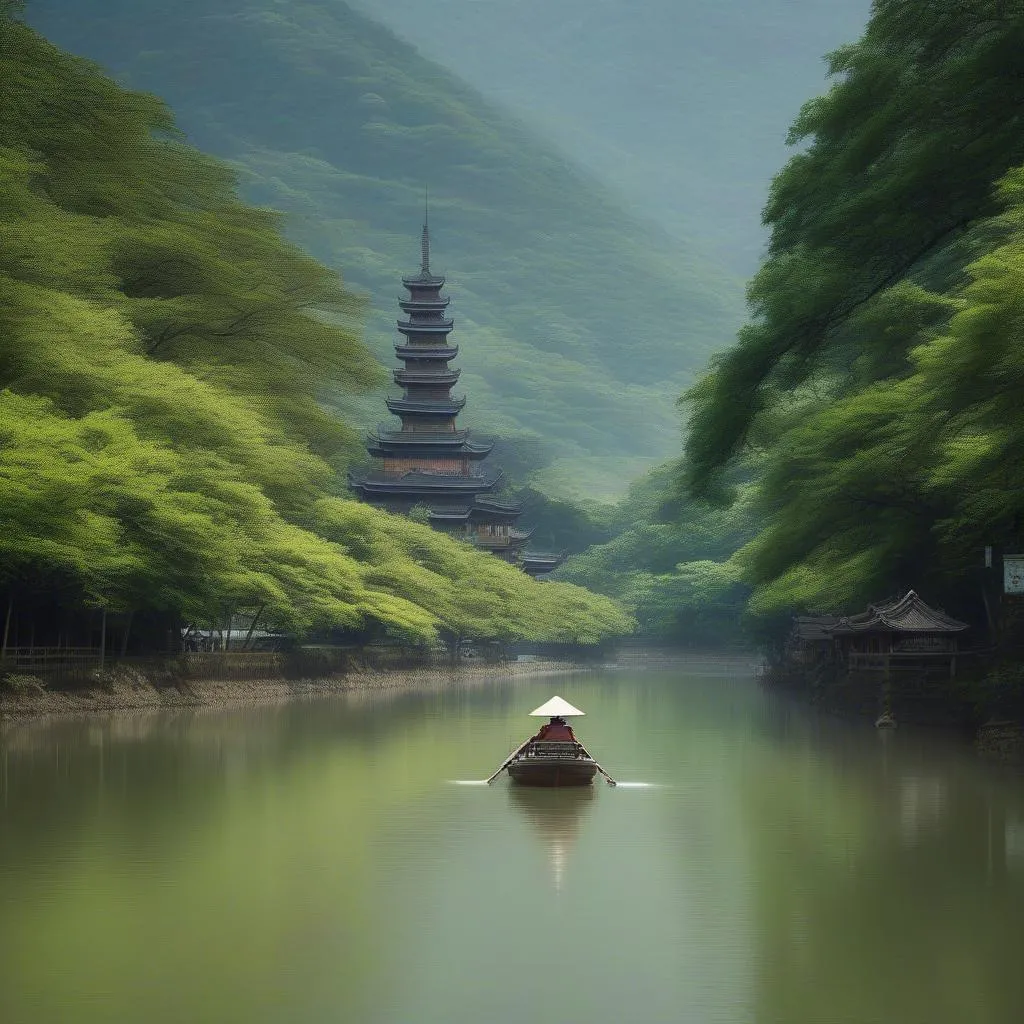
(556, 815)
(429, 462)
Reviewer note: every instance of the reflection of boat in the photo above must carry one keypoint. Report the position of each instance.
(555, 815)
(554, 757)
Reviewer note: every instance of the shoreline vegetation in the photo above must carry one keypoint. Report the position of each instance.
(170, 458)
(153, 685)
(168, 454)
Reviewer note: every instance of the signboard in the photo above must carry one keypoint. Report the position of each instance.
(1013, 574)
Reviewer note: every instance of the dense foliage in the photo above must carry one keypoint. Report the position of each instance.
(671, 568)
(163, 351)
(875, 387)
(578, 324)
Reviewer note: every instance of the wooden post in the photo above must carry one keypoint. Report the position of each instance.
(988, 615)
(127, 631)
(103, 637)
(252, 626)
(7, 625)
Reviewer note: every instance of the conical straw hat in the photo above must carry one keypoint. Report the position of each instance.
(556, 708)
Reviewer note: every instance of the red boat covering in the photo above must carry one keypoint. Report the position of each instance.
(555, 732)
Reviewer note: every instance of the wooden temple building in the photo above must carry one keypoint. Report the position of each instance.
(902, 634)
(428, 462)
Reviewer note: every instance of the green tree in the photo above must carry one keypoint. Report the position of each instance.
(901, 156)
(869, 398)
(163, 440)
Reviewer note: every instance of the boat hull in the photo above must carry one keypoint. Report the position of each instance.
(539, 770)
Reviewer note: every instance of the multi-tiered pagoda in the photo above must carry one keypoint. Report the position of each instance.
(429, 462)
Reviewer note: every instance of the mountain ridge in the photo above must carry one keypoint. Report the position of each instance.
(682, 105)
(579, 326)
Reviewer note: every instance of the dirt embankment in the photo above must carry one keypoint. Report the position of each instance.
(129, 689)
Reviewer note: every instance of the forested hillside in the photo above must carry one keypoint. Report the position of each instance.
(578, 324)
(875, 392)
(670, 567)
(162, 353)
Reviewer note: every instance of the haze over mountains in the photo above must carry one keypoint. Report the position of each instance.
(579, 324)
(684, 105)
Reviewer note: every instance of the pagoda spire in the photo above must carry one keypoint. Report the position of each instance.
(429, 460)
(425, 238)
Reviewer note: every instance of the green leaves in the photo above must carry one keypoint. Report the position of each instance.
(875, 392)
(676, 578)
(904, 151)
(882, 483)
(164, 355)
(578, 324)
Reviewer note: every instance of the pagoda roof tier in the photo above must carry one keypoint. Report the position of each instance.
(419, 479)
(398, 446)
(418, 482)
(536, 563)
(450, 513)
(424, 305)
(444, 376)
(491, 510)
(424, 280)
(425, 326)
(513, 541)
(908, 614)
(497, 505)
(430, 407)
(445, 352)
(442, 437)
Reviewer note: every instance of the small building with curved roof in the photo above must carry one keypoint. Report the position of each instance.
(903, 633)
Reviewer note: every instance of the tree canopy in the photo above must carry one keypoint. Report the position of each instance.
(671, 567)
(900, 159)
(164, 360)
(871, 394)
(578, 323)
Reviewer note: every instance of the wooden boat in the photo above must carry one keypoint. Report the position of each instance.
(553, 764)
(554, 757)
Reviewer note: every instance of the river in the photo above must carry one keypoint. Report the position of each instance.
(317, 862)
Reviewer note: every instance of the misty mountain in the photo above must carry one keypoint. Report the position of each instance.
(579, 324)
(684, 105)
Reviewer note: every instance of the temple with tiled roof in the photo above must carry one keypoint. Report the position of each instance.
(901, 633)
(428, 462)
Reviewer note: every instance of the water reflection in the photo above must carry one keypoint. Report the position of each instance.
(306, 862)
(556, 816)
(922, 803)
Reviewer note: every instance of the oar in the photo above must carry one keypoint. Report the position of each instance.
(508, 760)
(607, 777)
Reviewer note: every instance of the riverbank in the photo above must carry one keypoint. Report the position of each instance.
(129, 690)
(974, 706)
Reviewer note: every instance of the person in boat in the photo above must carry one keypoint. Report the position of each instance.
(556, 731)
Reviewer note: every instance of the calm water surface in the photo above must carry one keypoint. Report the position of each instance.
(314, 863)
